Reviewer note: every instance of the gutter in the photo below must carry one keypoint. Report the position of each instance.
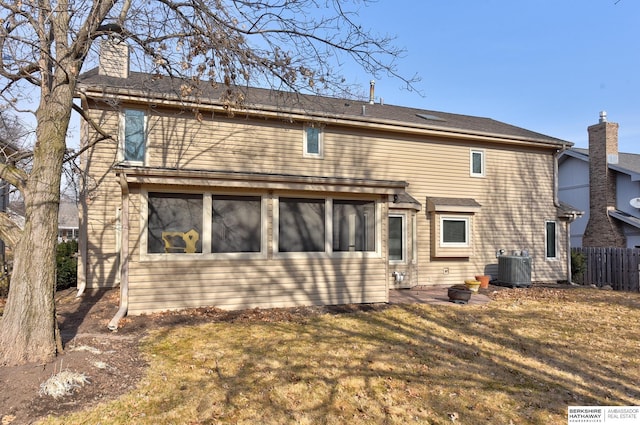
(124, 257)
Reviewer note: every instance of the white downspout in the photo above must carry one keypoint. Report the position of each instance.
(124, 257)
(571, 220)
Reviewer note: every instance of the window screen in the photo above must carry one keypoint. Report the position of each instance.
(236, 224)
(175, 223)
(353, 225)
(301, 225)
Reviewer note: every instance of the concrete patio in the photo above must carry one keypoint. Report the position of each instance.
(436, 294)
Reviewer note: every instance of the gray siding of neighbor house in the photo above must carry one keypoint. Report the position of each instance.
(627, 189)
(573, 188)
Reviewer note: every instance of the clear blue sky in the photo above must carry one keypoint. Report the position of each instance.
(548, 66)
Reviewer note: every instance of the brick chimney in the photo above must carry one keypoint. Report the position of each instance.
(114, 58)
(602, 230)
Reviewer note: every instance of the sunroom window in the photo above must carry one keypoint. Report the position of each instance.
(174, 223)
(301, 225)
(353, 225)
(236, 224)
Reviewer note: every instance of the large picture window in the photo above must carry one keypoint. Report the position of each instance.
(301, 225)
(134, 137)
(353, 225)
(236, 224)
(454, 231)
(174, 223)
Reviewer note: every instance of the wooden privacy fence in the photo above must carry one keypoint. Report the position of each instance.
(618, 267)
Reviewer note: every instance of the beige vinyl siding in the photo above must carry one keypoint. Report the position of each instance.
(101, 198)
(249, 284)
(516, 195)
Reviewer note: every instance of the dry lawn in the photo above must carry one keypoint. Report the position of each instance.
(522, 359)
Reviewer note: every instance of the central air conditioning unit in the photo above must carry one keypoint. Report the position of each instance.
(514, 271)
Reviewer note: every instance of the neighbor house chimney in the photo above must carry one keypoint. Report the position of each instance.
(114, 58)
(602, 230)
(372, 98)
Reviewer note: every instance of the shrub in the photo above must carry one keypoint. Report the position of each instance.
(578, 266)
(67, 265)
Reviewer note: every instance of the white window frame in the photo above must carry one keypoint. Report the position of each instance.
(467, 230)
(555, 239)
(206, 253)
(481, 153)
(403, 217)
(305, 150)
(121, 137)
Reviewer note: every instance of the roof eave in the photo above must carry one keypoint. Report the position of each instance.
(295, 114)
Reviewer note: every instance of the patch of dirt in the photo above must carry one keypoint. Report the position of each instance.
(111, 361)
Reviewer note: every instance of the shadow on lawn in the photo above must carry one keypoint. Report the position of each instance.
(411, 363)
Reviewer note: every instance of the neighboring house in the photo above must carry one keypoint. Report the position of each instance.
(68, 221)
(67, 218)
(7, 153)
(300, 200)
(606, 185)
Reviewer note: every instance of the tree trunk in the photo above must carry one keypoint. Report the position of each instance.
(29, 330)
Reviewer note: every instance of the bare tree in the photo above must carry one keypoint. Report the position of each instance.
(299, 45)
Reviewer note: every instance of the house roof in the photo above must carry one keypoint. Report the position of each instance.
(626, 218)
(144, 87)
(568, 211)
(68, 214)
(628, 163)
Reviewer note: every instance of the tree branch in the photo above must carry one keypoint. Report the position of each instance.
(9, 230)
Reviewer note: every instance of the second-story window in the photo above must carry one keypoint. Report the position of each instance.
(134, 137)
(312, 141)
(477, 163)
